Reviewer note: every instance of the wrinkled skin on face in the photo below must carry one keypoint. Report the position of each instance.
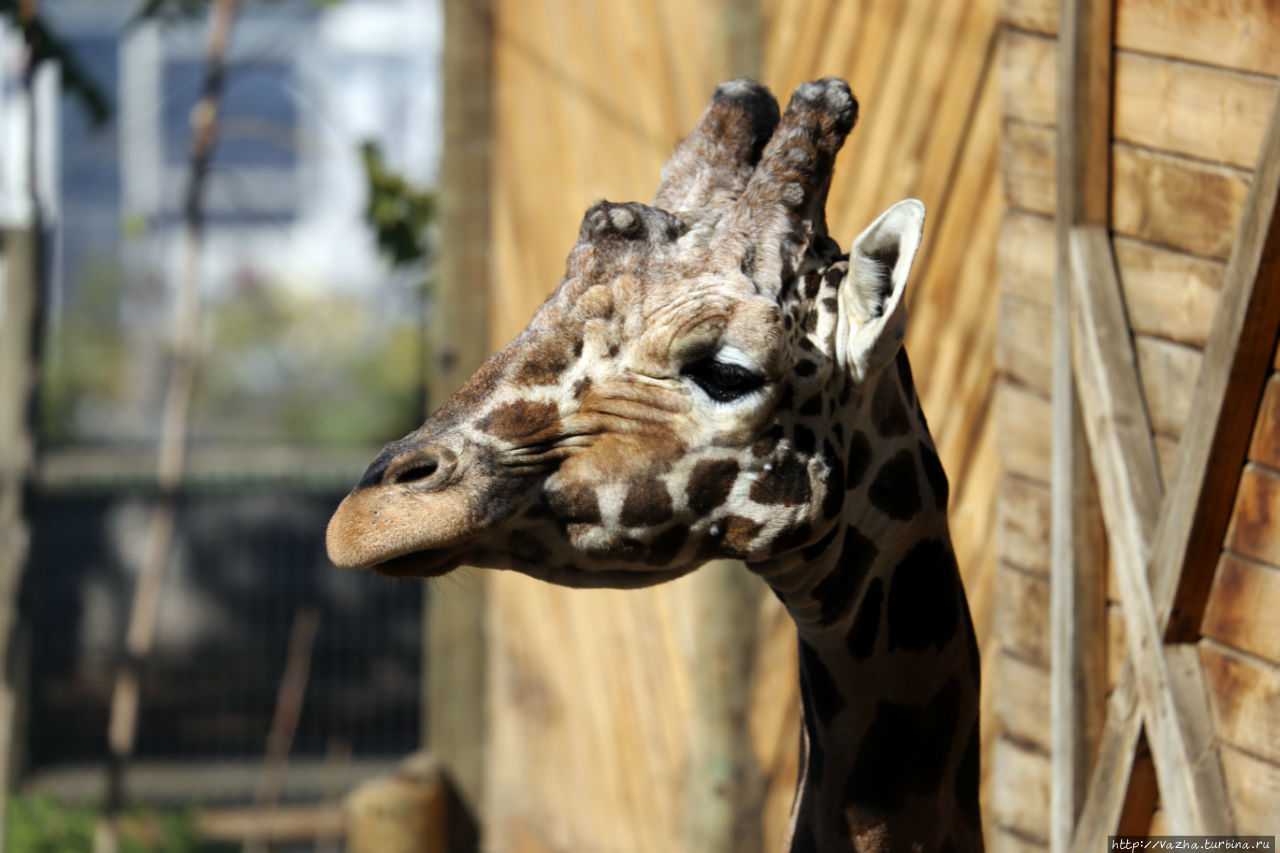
(644, 422)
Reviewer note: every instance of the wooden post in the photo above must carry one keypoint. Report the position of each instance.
(407, 812)
(19, 314)
(1078, 621)
(455, 656)
(171, 457)
(726, 789)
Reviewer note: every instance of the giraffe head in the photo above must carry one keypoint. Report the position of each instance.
(672, 401)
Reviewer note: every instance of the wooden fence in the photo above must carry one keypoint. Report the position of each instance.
(591, 693)
(1140, 153)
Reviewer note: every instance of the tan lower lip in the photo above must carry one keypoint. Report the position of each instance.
(422, 564)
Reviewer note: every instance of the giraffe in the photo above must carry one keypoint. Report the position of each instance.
(714, 378)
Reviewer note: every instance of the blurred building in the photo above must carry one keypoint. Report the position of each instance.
(294, 293)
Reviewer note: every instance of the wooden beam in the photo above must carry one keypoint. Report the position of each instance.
(1179, 727)
(1236, 361)
(455, 657)
(1077, 584)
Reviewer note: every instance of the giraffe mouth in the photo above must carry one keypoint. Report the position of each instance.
(430, 563)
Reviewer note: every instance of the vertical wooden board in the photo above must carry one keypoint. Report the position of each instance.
(1242, 607)
(1244, 693)
(1022, 524)
(1022, 620)
(1020, 789)
(1254, 530)
(1254, 787)
(1264, 446)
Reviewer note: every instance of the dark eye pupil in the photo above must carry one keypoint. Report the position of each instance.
(722, 381)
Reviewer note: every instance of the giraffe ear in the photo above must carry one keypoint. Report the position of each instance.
(872, 319)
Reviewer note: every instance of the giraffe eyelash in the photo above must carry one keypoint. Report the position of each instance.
(723, 381)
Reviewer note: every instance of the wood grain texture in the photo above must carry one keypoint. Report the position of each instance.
(1254, 787)
(1245, 692)
(1211, 114)
(1022, 524)
(1022, 702)
(1264, 446)
(1026, 420)
(1168, 294)
(1254, 530)
(1169, 687)
(1022, 623)
(591, 693)
(1159, 198)
(1226, 396)
(1242, 607)
(1020, 789)
(1238, 34)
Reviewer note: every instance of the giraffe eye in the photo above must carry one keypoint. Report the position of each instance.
(722, 381)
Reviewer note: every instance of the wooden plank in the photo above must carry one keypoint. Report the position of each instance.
(1171, 201)
(454, 656)
(1241, 34)
(1254, 787)
(1168, 373)
(1117, 650)
(1109, 782)
(1236, 360)
(1025, 422)
(1264, 447)
(1207, 113)
(1002, 840)
(1245, 694)
(1176, 719)
(1021, 699)
(1211, 114)
(1168, 370)
(1168, 294)
(1020, 782)
(1021, 353)
(1243, 605)
(1022, 524)
(1176, 202)
(1254, 530)
(1022, 624)
(1027, 256)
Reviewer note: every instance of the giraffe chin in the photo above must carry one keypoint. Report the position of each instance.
(431, 563)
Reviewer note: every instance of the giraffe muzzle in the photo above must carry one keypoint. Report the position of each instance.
(409, 514)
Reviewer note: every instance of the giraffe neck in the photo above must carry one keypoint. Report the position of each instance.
(888, 660)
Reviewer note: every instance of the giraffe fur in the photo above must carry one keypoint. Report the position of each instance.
(714, 378)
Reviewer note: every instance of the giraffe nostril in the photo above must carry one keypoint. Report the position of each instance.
(421, 471)
(426, 466)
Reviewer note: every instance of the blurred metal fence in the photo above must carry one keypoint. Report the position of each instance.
(248, 554)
